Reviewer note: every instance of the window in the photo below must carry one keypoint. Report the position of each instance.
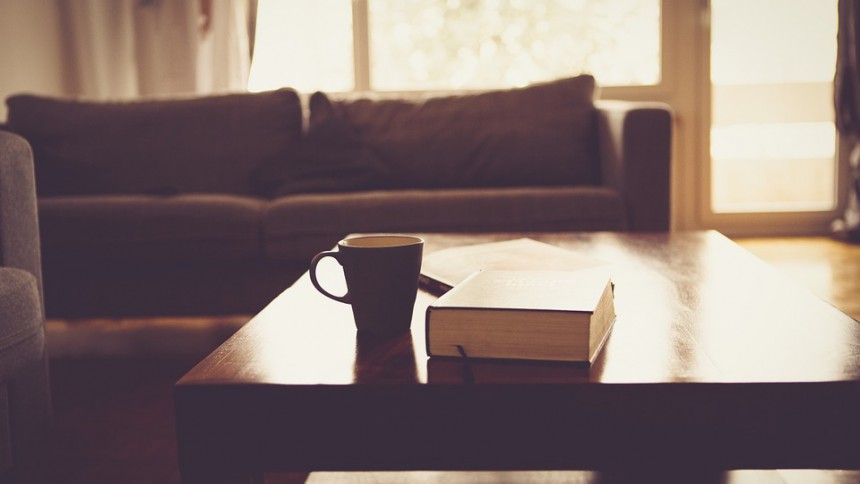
(453, 44)
(492, 43)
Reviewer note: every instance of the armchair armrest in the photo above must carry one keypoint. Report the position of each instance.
(635, 147)
(19, 224)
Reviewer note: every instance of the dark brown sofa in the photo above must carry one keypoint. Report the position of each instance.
(213, 205)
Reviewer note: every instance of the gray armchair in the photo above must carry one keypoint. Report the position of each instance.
(25, 400)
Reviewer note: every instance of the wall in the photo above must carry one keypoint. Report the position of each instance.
(31, 49)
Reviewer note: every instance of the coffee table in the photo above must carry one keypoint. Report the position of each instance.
(715, 362)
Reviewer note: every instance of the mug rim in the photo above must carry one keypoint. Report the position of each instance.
(406, 241)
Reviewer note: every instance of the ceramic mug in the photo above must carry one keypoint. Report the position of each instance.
(381, 273)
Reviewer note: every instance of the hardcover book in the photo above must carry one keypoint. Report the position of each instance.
(531, 315)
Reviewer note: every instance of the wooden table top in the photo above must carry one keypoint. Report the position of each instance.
(714, 362)
(692, 307)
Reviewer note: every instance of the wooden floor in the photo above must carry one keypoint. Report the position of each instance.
(827, 267)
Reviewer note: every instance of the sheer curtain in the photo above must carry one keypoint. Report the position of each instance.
(132, 48)
(847, 98)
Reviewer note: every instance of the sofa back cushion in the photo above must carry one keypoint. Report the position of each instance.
(543, 134)
(331, 158)
(160, 146)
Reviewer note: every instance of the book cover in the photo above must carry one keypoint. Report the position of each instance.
(535, 315)
(444, 269)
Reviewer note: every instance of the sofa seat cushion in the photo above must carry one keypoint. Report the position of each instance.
(298, 226)
(139, 227)
(207, 144)
(542, 134)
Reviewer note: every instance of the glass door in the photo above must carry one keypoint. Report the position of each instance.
(772, 137)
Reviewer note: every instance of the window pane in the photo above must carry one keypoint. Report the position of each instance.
(773, 167)
(773, 41)
(305, 45)
(773, 142)
(452, 44)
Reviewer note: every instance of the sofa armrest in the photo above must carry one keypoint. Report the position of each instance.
(635, 147)
(19, 224)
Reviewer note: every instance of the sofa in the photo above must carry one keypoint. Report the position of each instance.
(215, 204)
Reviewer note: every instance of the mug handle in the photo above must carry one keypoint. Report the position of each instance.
(346, 299)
